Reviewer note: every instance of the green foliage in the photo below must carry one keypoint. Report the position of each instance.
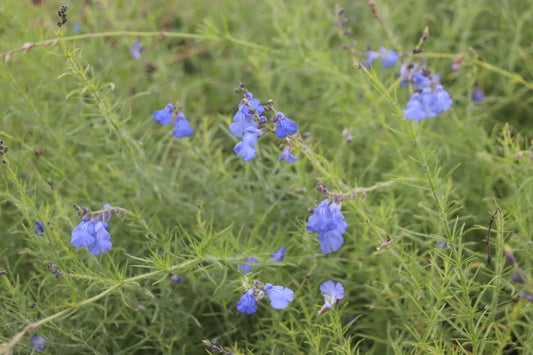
(75, 112)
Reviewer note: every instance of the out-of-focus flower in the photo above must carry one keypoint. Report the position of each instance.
(38, 342)
(176, 278)
(279, 255)
(245, 268)
(286, 155)
(136, 49)
(388, 57)
(40, 230)
(528, 296)
(478, 95)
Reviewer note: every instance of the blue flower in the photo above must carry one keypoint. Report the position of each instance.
(478, 95)
(247, 303)
(164, 116)
(182, 127)
(428, 103)
(528, 296)
(329, 222)
(245, 268)
(352, 320)
(176, 278)
(246, 146)
(286, 154)
(92, 234)
(414, 110)
(332, 293)
(40, 230)
(285, 126)
(37, 342)
(279, 255)
(441, 99)
(77, 27)
(443, 245)
(279, 296)
(518, 276)
(241, 121)
(388, 57)
(371, 56)
(136, 49)
(256, 104)
(244, 116)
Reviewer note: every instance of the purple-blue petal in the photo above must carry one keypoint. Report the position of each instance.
(279, 255)
(164, 116)
(182, 126)
(279, 296)
(247, 303)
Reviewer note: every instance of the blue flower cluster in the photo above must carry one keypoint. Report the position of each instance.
(279, 296)
(181, 125)
(388, 57)
(425, 102)
(249, 118)
(92, 234)
(328, 221)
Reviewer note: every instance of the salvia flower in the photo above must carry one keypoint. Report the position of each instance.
(388, 57)
(284, 126)
(245, 268)
(136, 49)
(328, 221)
(528, 296)
(441, 100)
(370, 57)
(427, 104)
(333, 292)
(39, 229)
(478, 95)
(279, 255)
(243, 119)
(279, 295)
(176, 278)
(352, 320)
(519, 276)
(38, 342)
(92, 233)
(245, 148)
(164, 116)
(247, 303)
(182, 126)
(509, 255)
(414, 110)
(286, 155)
